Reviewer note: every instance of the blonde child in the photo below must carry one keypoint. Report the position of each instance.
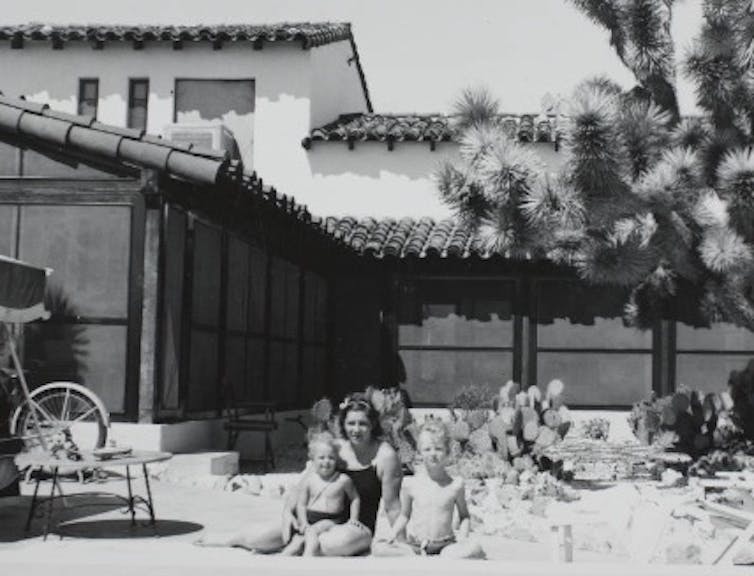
(425, 525)
(327, 497)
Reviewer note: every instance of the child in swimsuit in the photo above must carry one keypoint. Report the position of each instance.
(324, 498)
(428, 503)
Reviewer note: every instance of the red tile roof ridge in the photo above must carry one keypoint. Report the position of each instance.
(310, 34)
(433, 127)
(38, 121)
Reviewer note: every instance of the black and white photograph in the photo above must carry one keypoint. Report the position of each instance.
(337, 287)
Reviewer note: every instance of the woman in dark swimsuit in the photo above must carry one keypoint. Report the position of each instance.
(375, 470)
(373, 467)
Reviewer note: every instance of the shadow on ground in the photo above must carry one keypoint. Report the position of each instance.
(122, 528)
(87, 515)
(14, 512)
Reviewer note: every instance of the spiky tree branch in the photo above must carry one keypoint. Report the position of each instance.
(640, 34)
(643, 201)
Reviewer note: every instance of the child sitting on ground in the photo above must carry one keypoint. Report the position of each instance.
(323, 499)
(428, 503)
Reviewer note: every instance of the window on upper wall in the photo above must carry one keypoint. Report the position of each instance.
(88, 96)
(138, 97)
(227, 101)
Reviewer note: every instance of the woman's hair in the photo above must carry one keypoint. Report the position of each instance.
(358, 402)
(438, 430)
(322, 439)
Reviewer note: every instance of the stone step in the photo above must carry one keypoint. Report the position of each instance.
(199, 464)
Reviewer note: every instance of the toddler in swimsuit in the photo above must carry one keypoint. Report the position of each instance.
(324, 497)
(428, 503)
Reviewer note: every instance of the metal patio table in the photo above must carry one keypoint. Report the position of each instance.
(45, 462)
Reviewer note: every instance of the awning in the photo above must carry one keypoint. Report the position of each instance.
(22, 291)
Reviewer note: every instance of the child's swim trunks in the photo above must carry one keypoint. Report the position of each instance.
(429, 547)
(314, 516)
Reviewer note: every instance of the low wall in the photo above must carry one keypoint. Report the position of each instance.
(204, 435)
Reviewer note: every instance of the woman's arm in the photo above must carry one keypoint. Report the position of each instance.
(399, 526)
(389, 470)
(463, 512)
(354, 497)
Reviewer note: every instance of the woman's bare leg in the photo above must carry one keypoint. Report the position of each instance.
(463, 549)
(347, 539)
(311, 537)
(260, 538)
(383, 548)
(295, 547)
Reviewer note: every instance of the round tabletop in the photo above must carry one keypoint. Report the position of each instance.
(134, 458)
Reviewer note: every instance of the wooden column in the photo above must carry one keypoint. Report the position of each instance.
(150, 311)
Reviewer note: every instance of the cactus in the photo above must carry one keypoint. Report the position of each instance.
(480, 441)
(530, 431)
(459, 430)
(740, 401)
(693, 417)
(499, 426)
(476, 418)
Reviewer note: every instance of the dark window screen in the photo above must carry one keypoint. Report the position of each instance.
(138, 101)
(88, 96)
(212, 99)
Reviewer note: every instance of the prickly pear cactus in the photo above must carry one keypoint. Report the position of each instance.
(480, 441)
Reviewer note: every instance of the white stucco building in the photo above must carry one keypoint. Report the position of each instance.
(273, 86)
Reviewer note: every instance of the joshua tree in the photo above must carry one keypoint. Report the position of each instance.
(646, 199)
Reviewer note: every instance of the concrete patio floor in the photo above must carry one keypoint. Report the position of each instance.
(95, 537)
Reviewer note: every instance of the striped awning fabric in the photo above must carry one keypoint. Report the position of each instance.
(22, 290)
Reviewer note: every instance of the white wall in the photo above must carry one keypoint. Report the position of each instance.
(371, 180)
(336, 86)
(283, 84)
(295, 90)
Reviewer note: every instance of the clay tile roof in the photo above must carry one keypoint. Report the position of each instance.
(411, 238)
(360, 127)
(82, 134)
(309, 34)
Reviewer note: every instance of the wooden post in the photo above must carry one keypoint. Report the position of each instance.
(150, 315)
(562, 542)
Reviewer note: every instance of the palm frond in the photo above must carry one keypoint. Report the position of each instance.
(711, 211)
(647, 300)
(475, 107)
(674, 183)
(595, 154)
(552, 203)
(645, 131)
(477, 141)
(618, 258)
(723, 251)
(508, 170)
(689, 133)
(650, 47)
(462, 194)
(736, 172)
